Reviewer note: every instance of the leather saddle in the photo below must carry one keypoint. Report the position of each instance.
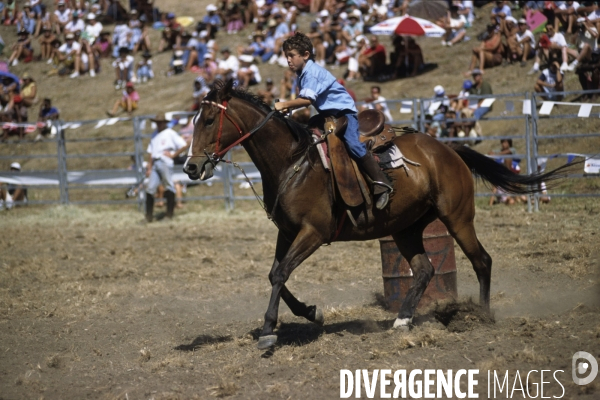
(347, 177)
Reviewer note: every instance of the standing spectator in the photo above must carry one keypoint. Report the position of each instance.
(13, 193)
(144, 68)
(480, 88)
(270, 93)
(21, 49)
(377, 102)
(454, 24)
(160, 165)
(551, 81)
(46, 115)
(128, 102)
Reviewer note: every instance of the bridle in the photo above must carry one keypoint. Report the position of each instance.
(215, 157)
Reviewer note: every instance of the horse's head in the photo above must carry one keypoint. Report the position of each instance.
(214, 131)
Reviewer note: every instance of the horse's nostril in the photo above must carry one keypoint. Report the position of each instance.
(190, 168)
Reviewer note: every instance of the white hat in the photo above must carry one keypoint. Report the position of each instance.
(324, 13)
(356, 13)
(439, 90)
(15, 165)
(511, 19)
(203, 34)
(343, 16)
(246, 58)
(177, 63)
(208, 55)
(91, 16)
(178, 53)
(211, 7)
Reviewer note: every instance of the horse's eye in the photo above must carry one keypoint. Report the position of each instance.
(209, 122)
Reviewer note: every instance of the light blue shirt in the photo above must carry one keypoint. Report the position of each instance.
(319, 86)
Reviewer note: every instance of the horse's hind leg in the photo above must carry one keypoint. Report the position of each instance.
(298, 308)
(463, 231)
(410, 244)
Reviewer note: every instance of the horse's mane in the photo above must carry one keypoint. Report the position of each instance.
(300, 132)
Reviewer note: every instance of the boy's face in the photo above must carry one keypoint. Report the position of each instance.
(295, 60)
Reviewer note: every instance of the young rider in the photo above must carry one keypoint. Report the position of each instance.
(319, 88)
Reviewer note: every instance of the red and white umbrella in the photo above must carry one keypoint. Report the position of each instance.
(407, 25)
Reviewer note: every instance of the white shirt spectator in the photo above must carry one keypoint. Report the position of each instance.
(75, 48)
(74, 26)
(559, 39)
(231, 63)
(92, 32)
(458, 23)
(253, 68)
(564, 6)
(385, 109)
(527, 33)
(587, 37)
(64, 16)
(468, 5)
(167, 140)
(123, 63)
(594, 15)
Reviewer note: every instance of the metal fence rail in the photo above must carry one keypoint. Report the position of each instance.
(410, 111)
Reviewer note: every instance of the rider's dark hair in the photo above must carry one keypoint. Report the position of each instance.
(300, 42)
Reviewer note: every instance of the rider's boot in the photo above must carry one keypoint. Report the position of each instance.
(170, 196)
(381, 184)
(149, 207)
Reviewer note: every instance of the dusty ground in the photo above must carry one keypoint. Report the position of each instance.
(95, 304)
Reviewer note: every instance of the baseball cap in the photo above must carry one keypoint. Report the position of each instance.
(211, 7)
(170, 15)
(129, 84)
(269, 80)
(60, 3)
(208, 55)
(467, 84)
(476, 71)
(522, 21)
(246, 58)
(439, 90)
(75, 13)
(15, 165)
(324, 13)
(91, 16)
(69, 36)
(203, 34)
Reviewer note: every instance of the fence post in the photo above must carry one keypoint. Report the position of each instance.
(139, 162)
(534, 146)
(528, 148)
(227, 187)
(61, 154)
(422, 116)
(415, 111)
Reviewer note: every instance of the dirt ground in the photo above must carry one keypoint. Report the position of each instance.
(96, 304)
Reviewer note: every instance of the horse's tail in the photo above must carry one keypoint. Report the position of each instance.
(498, 175)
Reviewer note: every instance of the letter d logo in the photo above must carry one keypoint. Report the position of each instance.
(582, 364)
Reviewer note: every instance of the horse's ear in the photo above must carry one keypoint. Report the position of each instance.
(227, 89)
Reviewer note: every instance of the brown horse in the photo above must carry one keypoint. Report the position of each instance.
(299, 197)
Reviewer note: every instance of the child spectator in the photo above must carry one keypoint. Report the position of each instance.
(128, 103)
(21, 49)
(123, 66)
(144, 68)
(103, 47)
(46, 115)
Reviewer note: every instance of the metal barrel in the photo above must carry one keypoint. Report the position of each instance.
(398, 277)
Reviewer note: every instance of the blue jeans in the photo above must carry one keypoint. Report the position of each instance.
(201, 49)
(351, 138)
(480, 112)
(161, 173)
(144, 70)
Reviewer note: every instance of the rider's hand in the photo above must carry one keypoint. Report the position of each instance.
(280, 106)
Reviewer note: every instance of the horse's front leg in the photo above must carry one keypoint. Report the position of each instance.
(306, 242)
(300, 309)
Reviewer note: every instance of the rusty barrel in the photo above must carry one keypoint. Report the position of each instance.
(397, 275)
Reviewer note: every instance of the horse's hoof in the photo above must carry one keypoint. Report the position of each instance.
(402, 324)
(264, 342)
(319, 318)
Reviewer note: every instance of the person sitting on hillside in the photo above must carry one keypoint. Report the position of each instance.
(524, 48)
(248, 73)
(589, 73)
(27, 97)
(377, 102)
(144, 68)
(201, 89)
(69, 54)
(21, 50)
(61, 17)
(270, 93)
(480, 88)
(454, 24)
(13, 193)
(551, 81)
(372, 61)
(509, 31)
(103, 47)
(46, 114)
(587, 41)
(128, 102)
(551, 45)
(123, 66)
(489, 53)
(45, 41)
